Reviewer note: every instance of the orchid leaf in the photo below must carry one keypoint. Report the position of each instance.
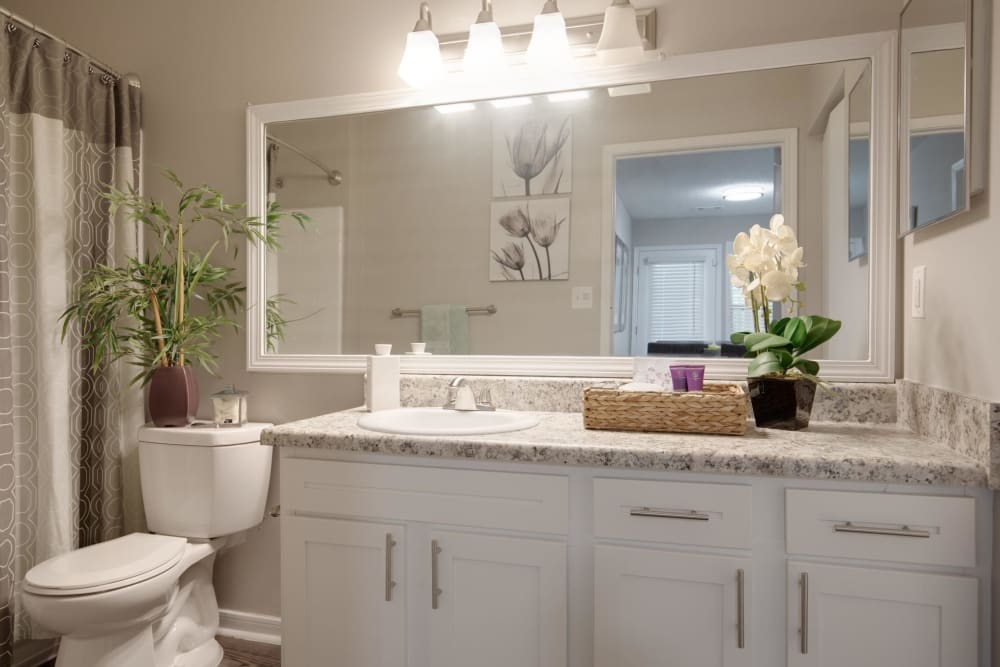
(765, 363)
(765, 341)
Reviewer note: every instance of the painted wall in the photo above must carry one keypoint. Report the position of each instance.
(621, 342)
(202, 63)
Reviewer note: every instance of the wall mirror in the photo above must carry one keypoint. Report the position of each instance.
(938, 172)
(564, 230)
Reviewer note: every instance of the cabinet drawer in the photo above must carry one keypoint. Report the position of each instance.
(711, 515)
(514, 501)
(932, 530)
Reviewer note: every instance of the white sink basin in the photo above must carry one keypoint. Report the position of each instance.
(438, 421)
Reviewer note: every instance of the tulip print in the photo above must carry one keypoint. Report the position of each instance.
(543, 224)
(510, 257)
(532, 156)
(544, 230)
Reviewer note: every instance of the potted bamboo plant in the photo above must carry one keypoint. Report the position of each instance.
(162, 312)
(781, 381)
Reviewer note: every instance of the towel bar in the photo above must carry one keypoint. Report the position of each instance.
(472, 310)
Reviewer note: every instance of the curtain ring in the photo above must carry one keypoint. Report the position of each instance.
(37, 43)
(11, 27)
(66, 57)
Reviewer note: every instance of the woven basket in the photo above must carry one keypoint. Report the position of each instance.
(719, 409)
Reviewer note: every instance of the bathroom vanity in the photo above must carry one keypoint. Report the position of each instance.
(844, 544)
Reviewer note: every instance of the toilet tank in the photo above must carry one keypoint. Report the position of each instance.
(203, 481)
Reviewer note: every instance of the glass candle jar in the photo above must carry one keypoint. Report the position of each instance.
(229, 407)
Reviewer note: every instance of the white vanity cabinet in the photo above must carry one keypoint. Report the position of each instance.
(386, 566)
(866, 617)
(392, 561)
(341, 599)
(649, 604)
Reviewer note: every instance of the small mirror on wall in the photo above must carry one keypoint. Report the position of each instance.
(934, 111)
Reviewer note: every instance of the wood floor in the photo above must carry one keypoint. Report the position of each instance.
(241, 653)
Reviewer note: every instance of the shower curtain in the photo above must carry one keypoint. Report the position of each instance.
(68, 130)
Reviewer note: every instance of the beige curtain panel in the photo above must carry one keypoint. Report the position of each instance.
(68, 130)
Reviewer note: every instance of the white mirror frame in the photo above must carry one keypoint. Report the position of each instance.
(880, 47)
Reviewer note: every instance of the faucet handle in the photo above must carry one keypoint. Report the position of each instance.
(485, 400)
(465, 399)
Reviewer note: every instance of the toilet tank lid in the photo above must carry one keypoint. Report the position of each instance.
(203, 435)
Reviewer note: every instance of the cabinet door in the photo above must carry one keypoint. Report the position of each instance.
(662, 608)
(342, 602)
(496, 601)
(880, 618)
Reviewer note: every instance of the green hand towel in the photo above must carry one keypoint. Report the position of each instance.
(445, 328)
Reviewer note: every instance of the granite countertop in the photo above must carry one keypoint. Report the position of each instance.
(827, 450)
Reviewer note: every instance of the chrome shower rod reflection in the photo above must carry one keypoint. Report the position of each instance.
(333, 176)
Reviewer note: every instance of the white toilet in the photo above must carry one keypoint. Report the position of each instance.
(146, 599)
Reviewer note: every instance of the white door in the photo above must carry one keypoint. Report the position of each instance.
(662, 608)
(342, 600)
(878, 618)
(677, 295)
(499, 601)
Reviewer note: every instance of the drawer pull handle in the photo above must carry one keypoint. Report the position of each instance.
(804, 611)
(389, 583)
(435, 590)
(903, 531)
(740, 621)
(669, 514)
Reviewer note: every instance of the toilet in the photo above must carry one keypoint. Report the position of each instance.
(146, 599)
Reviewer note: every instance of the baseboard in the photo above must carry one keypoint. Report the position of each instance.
(252, 627)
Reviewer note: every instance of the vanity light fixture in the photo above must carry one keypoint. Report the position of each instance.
(743, 193)
(620, 42)
(459, 107)
(484, 53)
(569, 96)
(421, 63)
(549, 46)
(509, 102)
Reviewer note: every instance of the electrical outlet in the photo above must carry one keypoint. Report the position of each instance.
(918, 293)
(583, 298)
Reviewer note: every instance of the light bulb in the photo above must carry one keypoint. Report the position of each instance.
(484, 52)
(421, 63)
(620, 42)
(549, 46)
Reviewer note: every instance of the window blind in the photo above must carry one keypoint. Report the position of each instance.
(676, 303)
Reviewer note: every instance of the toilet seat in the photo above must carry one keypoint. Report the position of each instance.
(107, 566)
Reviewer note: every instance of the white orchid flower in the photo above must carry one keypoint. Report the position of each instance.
(777, 221)
(778, 285)
(793, 259)
(741, 243)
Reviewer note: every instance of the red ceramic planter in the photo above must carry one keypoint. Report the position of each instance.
(173, 396)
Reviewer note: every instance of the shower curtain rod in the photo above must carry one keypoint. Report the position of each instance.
(11, 16)
(333, 176)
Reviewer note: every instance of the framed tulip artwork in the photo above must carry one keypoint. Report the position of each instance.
(532, 155)
(529, 239)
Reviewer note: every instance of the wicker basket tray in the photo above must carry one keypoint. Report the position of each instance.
(719, 409)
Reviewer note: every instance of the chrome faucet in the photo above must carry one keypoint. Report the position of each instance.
(461, 397)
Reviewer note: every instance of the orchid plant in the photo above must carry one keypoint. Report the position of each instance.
(765, 265)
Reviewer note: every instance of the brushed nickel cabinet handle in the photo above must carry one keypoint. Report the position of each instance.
(669, 514)
(902, 531)
(804, 603)
(740, 618)
(389, 583)
(435, 590)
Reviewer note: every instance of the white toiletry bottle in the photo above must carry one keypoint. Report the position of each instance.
(382, 385)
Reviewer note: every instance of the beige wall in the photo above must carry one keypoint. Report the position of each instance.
(201, 63)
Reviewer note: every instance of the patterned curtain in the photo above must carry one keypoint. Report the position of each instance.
(67, 131)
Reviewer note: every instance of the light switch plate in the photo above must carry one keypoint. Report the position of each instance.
(918, 293)
(583, 298)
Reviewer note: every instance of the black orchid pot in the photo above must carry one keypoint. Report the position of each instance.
(781, 402)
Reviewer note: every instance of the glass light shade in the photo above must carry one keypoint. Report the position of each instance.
(484, 52)
(620, 42)
(421, 62)
(549, 46)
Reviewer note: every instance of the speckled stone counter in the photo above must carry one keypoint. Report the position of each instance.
(858, 452)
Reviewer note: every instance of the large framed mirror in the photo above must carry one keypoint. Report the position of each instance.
(939, 169)
(564, 229)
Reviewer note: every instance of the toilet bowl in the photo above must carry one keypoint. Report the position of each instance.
(147, 598)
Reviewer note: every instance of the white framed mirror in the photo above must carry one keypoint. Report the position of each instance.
(634, 174)
(941, 167)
